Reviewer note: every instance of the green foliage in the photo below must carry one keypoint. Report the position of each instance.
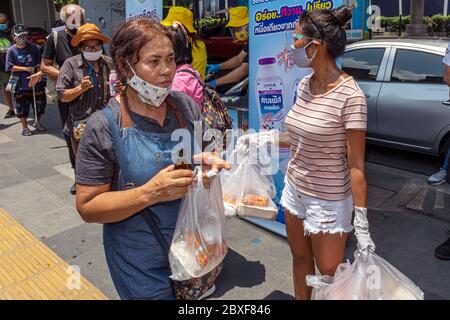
(436, 23)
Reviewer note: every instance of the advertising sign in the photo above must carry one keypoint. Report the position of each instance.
(274, 77)
(143, 9)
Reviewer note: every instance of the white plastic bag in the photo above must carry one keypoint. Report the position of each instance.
(249, 193)
(198, 244)
(374, 279)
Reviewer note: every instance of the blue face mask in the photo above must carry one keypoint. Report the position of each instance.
(3, 26)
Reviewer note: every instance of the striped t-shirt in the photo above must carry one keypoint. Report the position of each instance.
(317, 126)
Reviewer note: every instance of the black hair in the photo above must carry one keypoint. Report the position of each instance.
(328, 26)
(182, 45)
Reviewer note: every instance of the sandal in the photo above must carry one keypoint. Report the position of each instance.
(10, 114)
(26, 132)
(39, 127)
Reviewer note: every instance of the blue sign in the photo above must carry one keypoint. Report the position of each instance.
(143, 9)
(274, 77)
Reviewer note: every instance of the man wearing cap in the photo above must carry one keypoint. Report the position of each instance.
(238, 25)
(22, 59)
(58, 49)
(186, 18)
(83, 80)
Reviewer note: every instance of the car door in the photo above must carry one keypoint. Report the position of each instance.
(410, 109)
(367, 66)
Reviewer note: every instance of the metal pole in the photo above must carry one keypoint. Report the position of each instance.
(400, 11)
(36, 120)
(445, 7)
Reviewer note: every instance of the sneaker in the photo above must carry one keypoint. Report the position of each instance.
(443, 251)
(26, 132)
(39, 127)
(73, 189)
(438, 178)
(10, 114)
(208, 293)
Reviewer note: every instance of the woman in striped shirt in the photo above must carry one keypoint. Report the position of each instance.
(325, 180)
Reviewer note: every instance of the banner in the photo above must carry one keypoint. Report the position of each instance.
(143, 9)
(274, 77)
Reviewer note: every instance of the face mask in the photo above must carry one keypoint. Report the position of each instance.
(147, 92)
(240, 34)
(3, 27)
(21, 41)
(92, 56)
(301, 58)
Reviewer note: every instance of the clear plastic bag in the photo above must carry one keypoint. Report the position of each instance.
(374, 279)
(247, 192)
(198, 245)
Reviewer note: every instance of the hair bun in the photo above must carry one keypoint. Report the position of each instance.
(343, 15)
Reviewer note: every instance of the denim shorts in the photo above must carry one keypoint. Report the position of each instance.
(318, 215)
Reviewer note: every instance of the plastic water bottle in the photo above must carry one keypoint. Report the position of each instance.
(270, 94)
(112, 83)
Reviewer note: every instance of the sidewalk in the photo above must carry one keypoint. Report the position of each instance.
(408, 220)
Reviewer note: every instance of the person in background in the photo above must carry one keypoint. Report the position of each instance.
(83, 80)
(22, 59)
(443, 251)
(238, 25)
(187, 79)
(56, 53)
(6, 41)
(186, 18)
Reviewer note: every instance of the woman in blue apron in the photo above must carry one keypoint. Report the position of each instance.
(134, 133)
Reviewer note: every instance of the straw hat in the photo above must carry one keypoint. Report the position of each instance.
(88, 31)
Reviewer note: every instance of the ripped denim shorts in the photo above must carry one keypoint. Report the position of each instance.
(318, 215)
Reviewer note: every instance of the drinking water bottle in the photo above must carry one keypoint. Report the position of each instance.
(112, 83)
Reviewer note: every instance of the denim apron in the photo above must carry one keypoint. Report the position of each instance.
(139, 268)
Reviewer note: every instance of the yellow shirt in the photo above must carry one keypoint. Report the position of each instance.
(200, 57)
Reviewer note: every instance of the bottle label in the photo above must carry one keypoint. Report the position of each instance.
(271, 104)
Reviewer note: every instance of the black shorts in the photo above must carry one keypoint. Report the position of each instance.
(24, 102)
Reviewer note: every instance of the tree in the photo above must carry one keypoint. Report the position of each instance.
(61, 3)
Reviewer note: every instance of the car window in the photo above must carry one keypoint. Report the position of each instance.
(417, 66)
(363, 64)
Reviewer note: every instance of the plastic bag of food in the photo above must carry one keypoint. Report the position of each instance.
(249, 193)
(371, 279)
(198, 245)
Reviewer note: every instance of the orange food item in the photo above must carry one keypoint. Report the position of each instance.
(202, 255)
(254, 200)
(230, 200)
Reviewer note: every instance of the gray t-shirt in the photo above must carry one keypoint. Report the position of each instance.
(96, 161)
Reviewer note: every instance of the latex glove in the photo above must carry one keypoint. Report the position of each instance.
(361, 224)
(211, 68)
(258, 138)
(212, 84)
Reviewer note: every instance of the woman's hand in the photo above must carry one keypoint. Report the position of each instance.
(211, 161)
(169, 184)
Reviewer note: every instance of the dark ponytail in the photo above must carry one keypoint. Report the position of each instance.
(328, 26)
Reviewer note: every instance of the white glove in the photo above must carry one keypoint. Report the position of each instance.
(365, 243)
(258, 138)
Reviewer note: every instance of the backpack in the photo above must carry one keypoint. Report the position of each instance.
(215, 113)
